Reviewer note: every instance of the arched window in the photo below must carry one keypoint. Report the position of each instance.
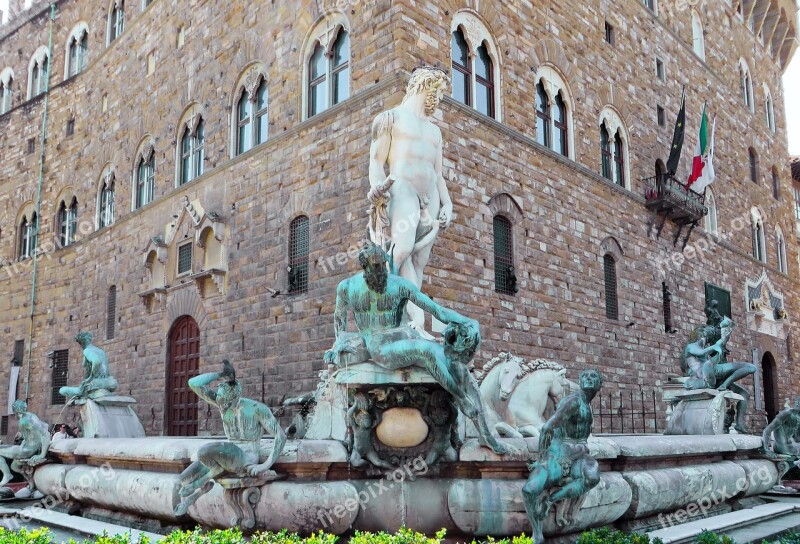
(560, 126)
(145, 180)
(753, 156)
(6, 80)
(192, 152)
(505, 279)
(542, 116)
(613, 147)
(77, 50)
(67, 222)
(759, 240)
(780, 245)
(769, 111)
(298, 255)
(105, 204)
(698, 40)
(606, 168)
(329, 73)
(116, 20)
(111, 312)
(746, 84)
(28, 236)
(619, 160)
(711, 218)
(610, 276)
(776, 184)
(462, 67)
(252, 114)
(38, 73)
(474, 59)
(553, 112)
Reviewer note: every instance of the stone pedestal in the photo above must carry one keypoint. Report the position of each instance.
(110, 417)
(701, 411)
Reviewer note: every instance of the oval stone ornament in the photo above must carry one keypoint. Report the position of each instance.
(402, 428)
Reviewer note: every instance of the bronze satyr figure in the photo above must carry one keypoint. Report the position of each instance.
(244, 421)
(35, 441)
(97, 381)
(564, 471)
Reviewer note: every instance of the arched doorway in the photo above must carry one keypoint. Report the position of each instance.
(769, 380)
(183, 361)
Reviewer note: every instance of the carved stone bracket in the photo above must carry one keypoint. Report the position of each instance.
(242, 495)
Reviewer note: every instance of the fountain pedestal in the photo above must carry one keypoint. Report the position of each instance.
(111, 416)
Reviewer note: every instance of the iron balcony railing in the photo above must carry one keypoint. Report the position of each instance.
(665, 194)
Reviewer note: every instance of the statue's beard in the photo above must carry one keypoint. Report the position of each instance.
(376, 280)
(431, 101)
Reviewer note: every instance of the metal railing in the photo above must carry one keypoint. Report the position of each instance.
(666, 192)
(629, 411)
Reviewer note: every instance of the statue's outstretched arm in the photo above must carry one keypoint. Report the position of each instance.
(445, 315)
(199, 384)
(379, 149)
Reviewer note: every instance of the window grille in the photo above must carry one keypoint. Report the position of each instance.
(59, 377)
(185, 258)
(505, 280)
(298, 255)
(753, 165)
(776, 184)
(610, 272)
(111, 312)
(4, 425)
(667, 302)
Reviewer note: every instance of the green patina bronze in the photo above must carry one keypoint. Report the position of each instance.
(785, 430)
(378, 300)
(565, 470)
(244, 421)
(705, 362)
(97, 381)
(32, 450)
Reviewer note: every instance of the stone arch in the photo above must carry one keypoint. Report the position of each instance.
(549, 51)
(610, 246)
(39, 56)
(505, 204)
(186, 301)
(6, 76)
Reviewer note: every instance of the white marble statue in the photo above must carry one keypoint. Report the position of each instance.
(411, 204)
(519, 394)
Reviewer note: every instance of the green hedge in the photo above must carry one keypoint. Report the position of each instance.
(403, 536)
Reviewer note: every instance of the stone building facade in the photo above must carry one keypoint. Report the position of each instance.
(191, 273)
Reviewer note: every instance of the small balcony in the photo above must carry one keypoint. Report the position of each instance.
(666, 195)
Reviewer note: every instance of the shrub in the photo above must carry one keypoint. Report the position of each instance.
(606, 536)
(707, 537)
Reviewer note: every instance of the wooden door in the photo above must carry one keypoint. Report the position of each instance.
(183, 358)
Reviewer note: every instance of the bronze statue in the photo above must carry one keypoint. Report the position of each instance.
(244, 421)
(707, 368)
(360, 421)
(32, 450)
(378, 300)
(785, 430)
(564, 471)
(97, 381)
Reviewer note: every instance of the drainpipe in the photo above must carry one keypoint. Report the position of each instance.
(39, 197)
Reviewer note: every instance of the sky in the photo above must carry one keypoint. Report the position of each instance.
(791, 91)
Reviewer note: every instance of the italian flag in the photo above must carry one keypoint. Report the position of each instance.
(702, 165)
